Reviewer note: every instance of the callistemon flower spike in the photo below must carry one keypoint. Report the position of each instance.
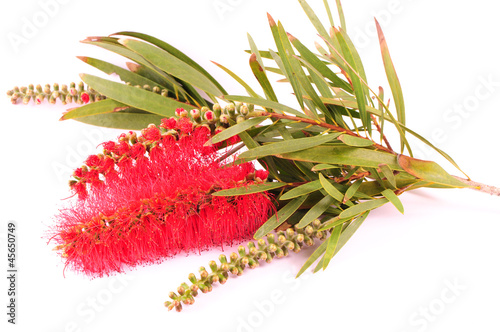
(278, 245)
(149, 196)
(75, 93)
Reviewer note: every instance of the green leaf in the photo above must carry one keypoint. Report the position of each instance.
(321, 167)
(261, 77)
(129, 120)
(351, 191)
(355, 141)
(111, 44)
(236, 129)
(392, 77)
(251, 189)
(334, 222)
(278, 218)
(389, 175)
(99, 107)
(315, 255)
(316, 211)
(332, 245)
(266, 104)
(174, 51)
(363, 207)
(330, 189)
(347, 234)
(341, 15)
(301, 76)
(353, 70)
(320, 66)
(172, 65)
(247, 87)
(126, 76)
(138, 98)
(303, 189)
(288, 146)
(428, 171)
(394, 199)
(340, 155)
(285, 53)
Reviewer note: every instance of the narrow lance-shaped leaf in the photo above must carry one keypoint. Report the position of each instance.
(174, 51)
(288, 146)
(355, 141)
(332, 245)
(428, 171)
(340, 155)
(389, 175)
(266, 104)
(99, 107)
(138, 98)
(128, 119)
(172, 65)
(261, 77)
(303, 189)
(316, 211)
(394, 199)
(279, 218)
(330, 189)
(126, 76)
(353, 70)
(346, 235)
(235, 130)
(351, 191)
(251, 189)
(281, 39)
(247, 87)
(363, 207)
(393, 79)
(315, 255)
(320, 66)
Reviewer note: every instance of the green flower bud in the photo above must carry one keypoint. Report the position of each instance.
(244, 110)
(81, 86)
(24, 89)
(240, 119)
(39, 99)
(26, 100)
(213, 266)
(10, 93)
(244, 261)
(39, 88)
(46, 89)
(224, 118)
(230, 109)
(217, 109)
(55, 86)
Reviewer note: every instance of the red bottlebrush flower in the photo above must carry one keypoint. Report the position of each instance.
(170, 123)
(261, 174)
(85, 97)
(185, 125)
(151, 133)
(156, 202)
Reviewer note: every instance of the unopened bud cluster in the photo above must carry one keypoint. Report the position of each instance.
(75, 93)
(277, 245)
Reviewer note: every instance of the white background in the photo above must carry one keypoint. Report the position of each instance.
(393, 269)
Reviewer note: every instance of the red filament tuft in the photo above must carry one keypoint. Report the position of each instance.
(150, 197)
